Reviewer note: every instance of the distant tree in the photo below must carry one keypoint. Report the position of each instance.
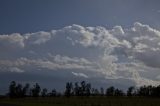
(130, 91)
(102, 91)
(150, 90)
(12, 89)
(118, 92)
(157, 91)
(25, 90)
(36, 90)
(142, 91)
(83, 88)
(68, 90)
(76, 89)
(44, 92)
(88, 89)
(19, 92)
(110, 91)
(54, 93)
(92, 91)
(154, 91)
(96, 92)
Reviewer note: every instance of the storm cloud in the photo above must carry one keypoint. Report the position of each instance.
(131, 54)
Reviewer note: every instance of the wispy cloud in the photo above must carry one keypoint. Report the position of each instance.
(80, 75)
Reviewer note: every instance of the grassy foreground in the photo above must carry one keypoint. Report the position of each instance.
(84, 101)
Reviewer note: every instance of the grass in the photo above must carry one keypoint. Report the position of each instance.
(84, 101)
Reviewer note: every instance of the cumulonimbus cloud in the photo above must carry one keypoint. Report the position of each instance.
(109, 53)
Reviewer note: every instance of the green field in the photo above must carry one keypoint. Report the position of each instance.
(84, 101)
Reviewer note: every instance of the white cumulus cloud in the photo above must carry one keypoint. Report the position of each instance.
(132, 53)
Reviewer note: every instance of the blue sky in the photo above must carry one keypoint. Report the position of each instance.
(36, 15)
(105, 42)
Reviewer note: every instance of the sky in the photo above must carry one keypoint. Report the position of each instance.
(105, 42)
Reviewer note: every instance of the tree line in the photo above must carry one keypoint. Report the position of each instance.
(17, 90)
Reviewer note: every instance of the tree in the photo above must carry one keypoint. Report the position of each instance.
(96, 92)
(36, 90)
(44, 92)
(83, 88)
(19, 92)
(143, 91)
(53, 93)
(102, 91)
(158, 91)
(92, 91)
(76, 89)
(118, 92)
(25, 90)
(110, 91)
(88, 89)
(130, 91)
(150, 90)
(69, 88)
(12, 89)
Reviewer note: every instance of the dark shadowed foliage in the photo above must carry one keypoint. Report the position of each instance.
(83, 88)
